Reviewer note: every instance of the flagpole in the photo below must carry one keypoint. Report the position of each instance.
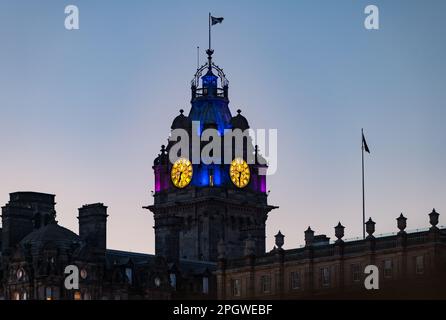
(209, 31)
(363, 193)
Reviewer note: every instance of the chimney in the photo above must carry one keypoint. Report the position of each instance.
(18, 215)
(93, 225)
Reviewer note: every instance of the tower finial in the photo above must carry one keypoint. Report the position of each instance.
(209, 53)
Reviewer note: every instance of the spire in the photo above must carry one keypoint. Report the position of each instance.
(205, 73)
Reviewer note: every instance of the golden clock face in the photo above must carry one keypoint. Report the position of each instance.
(181, 173)
(239, 173)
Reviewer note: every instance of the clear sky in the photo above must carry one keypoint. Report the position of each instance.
(83, 113)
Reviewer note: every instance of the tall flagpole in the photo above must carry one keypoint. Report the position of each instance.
(363, 194)
(209, 31)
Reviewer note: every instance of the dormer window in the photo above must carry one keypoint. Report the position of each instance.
(20, 273)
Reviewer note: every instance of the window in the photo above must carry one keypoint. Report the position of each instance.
(87, 296)
(295, 280)
(388, 268)
(77, 295)
(211, 175)
(419, 265)
(265, 284)
(173, 280)
(24, 295)
(129, 275)
(48, 293)
(16, 296)
(236, 287)
(205, 285)
(325, 277)
(356, 272)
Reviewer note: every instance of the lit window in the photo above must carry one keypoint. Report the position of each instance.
(24, 295)
(205, 285)
(419, 264)
(295, 280)
(77, 295)
(48, 293)
(325, 277)
(356, 272)
(236, 287)
(265, 284)
(388, 268)
(211, 175)
(16, 296)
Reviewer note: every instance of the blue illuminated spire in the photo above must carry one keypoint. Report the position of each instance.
(209, 80)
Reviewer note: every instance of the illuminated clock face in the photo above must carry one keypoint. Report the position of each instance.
(239, 172)
(181, 173)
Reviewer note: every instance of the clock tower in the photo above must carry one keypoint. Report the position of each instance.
(199, 205)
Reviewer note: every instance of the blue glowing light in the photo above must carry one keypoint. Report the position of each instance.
(209, 80)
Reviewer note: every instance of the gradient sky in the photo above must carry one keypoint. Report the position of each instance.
(83, 113)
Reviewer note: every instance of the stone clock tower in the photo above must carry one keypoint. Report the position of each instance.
(197, 205)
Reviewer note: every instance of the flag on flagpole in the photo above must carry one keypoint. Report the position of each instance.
(215, 20)
(364, 143)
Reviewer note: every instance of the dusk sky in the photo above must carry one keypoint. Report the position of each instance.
(83, 113)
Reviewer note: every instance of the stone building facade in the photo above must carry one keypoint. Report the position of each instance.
(410, 264)
(35, 251)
